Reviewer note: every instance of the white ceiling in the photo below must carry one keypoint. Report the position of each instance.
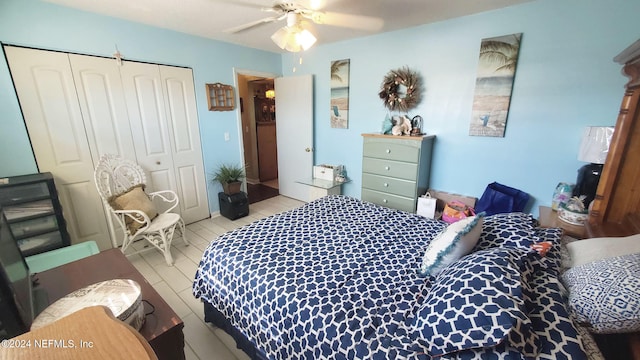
(209, 18)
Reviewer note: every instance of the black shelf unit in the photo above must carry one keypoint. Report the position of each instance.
(33, 211)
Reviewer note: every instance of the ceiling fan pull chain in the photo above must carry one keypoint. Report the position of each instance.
(300, 62)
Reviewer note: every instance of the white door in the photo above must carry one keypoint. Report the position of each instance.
(48, 98)
(184, 133)
(164, 124)
(149, 126)
(104, 112)
(103, 106)
(294, 132)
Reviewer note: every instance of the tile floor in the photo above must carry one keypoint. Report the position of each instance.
(202, 341)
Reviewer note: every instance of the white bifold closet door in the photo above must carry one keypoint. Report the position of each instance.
(78, 107)
(162, 114)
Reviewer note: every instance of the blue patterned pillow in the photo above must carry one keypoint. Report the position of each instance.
(454, 242)
(476, 302)
(509, 229)
(604, 294)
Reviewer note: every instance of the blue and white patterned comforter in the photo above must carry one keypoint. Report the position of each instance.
(337, 279)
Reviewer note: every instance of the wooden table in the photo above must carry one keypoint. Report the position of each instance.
(549, 219)
(162, 328)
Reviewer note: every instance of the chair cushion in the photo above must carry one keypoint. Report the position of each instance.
(134, 199)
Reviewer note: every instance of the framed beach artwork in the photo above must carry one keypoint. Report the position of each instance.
(340, 94)
(494, 81)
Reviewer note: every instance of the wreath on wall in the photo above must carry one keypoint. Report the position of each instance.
(401, 89)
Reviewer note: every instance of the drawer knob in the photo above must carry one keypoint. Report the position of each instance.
(388, 151)
(384, 201)
(387, 168)
(386, 185)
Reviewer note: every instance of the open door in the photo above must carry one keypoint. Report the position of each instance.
(294, 111)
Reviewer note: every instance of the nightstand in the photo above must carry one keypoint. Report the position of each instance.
(549, 218)
(320, 187)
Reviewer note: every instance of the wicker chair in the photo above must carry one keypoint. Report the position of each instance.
(121, 183)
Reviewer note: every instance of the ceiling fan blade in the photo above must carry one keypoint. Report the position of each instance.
(359, 22)
(247, 26)
(241, 3)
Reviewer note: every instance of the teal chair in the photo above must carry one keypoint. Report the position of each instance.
(54, 258)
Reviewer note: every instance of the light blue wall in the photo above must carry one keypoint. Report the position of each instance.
(565, 80)
(47, 26)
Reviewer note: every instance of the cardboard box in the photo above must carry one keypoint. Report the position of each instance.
(444, 197)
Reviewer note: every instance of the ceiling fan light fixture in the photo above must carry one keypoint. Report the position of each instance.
(305, 39)
(281, 37)
(292, 45)
(293, 37)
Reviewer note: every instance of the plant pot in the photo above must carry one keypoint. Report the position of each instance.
(232, 187)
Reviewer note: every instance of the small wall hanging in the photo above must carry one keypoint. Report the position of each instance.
(496, 71)
(401, 90)
(220, 97)
(340, 94)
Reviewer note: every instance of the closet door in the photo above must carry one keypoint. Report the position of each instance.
(164, 124)
(48, 98)
(104, 111)
(184, 134)
(148, 120)
(103, 106)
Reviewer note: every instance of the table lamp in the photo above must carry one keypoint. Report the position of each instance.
(594, 148)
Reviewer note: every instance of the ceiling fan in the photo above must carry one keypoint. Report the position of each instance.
(296, 14)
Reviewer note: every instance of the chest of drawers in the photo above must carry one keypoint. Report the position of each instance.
(34, 214)
(396, 169)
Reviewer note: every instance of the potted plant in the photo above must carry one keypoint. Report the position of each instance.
(230, 177)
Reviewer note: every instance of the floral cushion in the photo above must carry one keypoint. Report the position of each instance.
(603, 294)
(489, 310)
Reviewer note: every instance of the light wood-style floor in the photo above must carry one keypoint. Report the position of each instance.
(203, 341)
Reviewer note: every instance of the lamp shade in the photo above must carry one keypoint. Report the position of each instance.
(594, 146)
(281, 37)
(305, 39)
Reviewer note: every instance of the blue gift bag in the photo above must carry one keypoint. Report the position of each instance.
(498, 198)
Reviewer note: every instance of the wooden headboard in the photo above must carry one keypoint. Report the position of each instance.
(616, 208)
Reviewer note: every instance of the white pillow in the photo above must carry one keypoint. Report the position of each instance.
(586, 251)
(456, 241)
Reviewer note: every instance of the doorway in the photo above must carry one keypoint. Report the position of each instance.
(258, 130)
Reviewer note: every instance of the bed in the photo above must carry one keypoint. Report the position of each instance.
(340, 278)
